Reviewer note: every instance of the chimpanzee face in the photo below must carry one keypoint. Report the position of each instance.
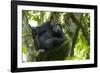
(57, 28)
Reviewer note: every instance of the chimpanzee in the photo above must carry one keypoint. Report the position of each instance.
(48, 35)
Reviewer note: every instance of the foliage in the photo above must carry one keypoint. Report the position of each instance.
(76, 27)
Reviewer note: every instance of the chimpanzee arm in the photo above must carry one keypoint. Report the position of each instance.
(57, 40)
(54, 42)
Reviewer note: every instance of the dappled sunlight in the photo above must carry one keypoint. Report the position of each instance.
(33, 23)
(76, 28)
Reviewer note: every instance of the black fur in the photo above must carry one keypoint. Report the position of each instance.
(48, 35)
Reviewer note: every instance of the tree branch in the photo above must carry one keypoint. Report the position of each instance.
(74, 19)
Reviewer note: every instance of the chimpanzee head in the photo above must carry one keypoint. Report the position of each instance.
(56, 27)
